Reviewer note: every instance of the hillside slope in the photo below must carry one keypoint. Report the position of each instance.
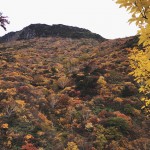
(61, 92)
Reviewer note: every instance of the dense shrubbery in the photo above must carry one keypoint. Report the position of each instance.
(48, 103)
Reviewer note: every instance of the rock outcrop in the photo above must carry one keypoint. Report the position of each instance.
(43, 30)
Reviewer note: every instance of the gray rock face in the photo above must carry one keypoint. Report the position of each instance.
(43, 30)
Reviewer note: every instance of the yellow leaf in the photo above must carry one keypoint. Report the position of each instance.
(4, 126)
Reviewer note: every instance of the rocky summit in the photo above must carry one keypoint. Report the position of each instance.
(43, 30)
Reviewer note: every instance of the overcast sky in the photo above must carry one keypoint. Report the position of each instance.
(103, 17)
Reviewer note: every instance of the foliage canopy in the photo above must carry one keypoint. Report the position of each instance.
(140, 59)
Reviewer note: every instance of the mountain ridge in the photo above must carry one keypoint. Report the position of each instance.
(44, 30)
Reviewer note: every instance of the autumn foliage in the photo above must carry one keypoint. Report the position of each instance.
(70, 94)
(89, 104)
(140, 58)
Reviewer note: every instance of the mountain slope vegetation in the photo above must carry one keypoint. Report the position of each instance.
(61, 93)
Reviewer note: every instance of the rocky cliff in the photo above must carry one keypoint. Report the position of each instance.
(43, 30)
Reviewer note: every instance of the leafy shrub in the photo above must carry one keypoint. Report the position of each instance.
(86, 84)
(53, 100)
(3, 95)
(100, 141)
(100, 137)
(113, 134)
(101, 81)
(128, 109)
(115, 77)
(138, 144)
(119, 123)
(126, 91)
(98, 109)
(71, 146)
(28, 146)
(63, 82)
(129, 89)
(123, 116)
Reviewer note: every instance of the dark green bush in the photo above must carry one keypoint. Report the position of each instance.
(119, 123)
(112, 133)
(128, 109)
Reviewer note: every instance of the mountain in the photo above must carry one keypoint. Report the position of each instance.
(61, 93)
(43, 30)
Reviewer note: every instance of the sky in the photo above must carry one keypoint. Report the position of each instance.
(103, 17)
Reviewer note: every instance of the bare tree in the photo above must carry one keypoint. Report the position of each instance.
(3, 21)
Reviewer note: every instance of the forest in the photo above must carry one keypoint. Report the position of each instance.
(63, 93)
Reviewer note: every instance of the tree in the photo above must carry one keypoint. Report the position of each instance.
(140, 59)
(3, 21)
